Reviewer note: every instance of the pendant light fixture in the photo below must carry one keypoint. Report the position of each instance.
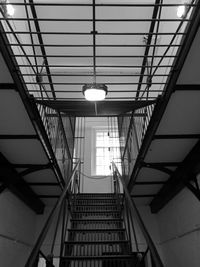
(94, 91)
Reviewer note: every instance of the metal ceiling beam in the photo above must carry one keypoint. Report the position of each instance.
(182, 175)
(97, 45)
(118, 74)
(97, 56)
(43, 184)
(35, 169)
(76, 99)
(122, 115)
(90, 66)
(142, 195)
(108, 83)
(80, 91)
(85, 108)
(38, 32)
(97, 20)
(150, 183)
(164, 164)
(97, 5)
(27, 166)
(18, 136)
(193, 189)
(187, 87)
(8, 86)
(14, 182)
(156, 167)
(176, 136)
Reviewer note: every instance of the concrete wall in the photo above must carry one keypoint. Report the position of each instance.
(179, 225)
(17, 230)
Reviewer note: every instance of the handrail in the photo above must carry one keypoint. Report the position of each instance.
(134, 209)
(49, 220)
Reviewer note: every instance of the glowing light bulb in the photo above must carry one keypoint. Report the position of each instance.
(94, 92)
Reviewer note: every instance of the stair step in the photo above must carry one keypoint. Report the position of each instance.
(92, 200)
(96, 214)
(96, 196)
(97, 211)
(95, 205)
(103, 257)
(97, 242)
(97, 230)
(96, 224)
(97, 220)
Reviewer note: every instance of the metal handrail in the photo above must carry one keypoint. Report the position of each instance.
(133, 209)
(49, 220)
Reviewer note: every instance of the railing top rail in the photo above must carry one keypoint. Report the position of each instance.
(49, 220)
(134, 209)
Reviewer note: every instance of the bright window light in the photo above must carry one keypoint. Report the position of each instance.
(10, 10)
(181, 11)
(107, 150)
(7, 8)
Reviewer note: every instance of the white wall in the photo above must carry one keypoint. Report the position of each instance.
(17, 229)
(179, 224)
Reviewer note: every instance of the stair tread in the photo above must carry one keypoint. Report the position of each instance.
(97, 242)
(100, 211)
(95, 205)
(93, 230)
(113, 256)
(97, 220)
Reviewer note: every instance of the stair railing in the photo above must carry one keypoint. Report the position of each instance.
(57, 209)
(134, 213)
(54, 128)
(132, 129)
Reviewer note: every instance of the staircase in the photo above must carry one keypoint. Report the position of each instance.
(97, 236)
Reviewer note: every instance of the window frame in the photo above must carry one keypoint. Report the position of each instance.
(95, 130)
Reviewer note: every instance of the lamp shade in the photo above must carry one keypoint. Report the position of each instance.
(95, 92)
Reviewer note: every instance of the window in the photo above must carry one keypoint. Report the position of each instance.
(107, 150)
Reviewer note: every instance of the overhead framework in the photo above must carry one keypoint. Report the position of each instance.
(129, 47)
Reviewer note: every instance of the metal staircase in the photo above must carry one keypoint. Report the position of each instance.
(97, 230)
(97, 235)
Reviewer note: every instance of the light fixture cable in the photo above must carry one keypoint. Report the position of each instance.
(94, 40)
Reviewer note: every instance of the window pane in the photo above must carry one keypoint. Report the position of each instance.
(107, 150)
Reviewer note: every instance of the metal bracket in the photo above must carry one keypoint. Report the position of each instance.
(194, 188)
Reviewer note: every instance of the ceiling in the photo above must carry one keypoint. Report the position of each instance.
(59, 44)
